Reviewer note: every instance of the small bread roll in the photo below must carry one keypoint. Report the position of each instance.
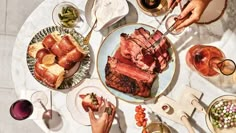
(51, 39)
(44, 56)
(52, 75)
(74, 55)
(34, 48)
(66, 45)
(76, 44)
(57, 51)
(65, 63)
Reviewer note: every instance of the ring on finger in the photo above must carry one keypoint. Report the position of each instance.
(108, 110)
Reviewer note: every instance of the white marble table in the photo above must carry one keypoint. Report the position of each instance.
(41, 18)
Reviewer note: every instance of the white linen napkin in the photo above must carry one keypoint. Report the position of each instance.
(108, 12)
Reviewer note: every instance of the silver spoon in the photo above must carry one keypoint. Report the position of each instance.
(47, 112)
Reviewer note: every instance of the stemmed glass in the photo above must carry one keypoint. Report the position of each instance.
(51, 118)
(23, 108)
(39, 98)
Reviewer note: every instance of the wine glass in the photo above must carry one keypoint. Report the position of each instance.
(67, 15)
(21, 109)
(51, 118)
(38, 98)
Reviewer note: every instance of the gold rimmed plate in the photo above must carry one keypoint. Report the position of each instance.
(79, 73)
(74, 102)
(108, 48)
(209, 119)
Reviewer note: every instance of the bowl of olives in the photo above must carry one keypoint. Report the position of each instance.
(66, 14)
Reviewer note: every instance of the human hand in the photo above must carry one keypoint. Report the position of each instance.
(193, 12)
(103, 124)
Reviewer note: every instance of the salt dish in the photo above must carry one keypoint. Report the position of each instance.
(107, 12)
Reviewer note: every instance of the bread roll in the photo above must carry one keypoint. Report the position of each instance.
(34, 48)
(66, 45)
(51, 39)
(76, 44)
(57, 51)
(65, 63)
(44, 56)
(73, 52)
(52, 75)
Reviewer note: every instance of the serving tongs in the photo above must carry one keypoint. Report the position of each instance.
(174, 4)
(170, 29)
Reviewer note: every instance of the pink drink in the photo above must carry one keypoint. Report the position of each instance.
(199, 58)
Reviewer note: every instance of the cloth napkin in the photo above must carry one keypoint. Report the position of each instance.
(107, 12)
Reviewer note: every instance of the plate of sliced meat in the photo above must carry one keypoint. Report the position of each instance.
(57, 57)
(130, 68)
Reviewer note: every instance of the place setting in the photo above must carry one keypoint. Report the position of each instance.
(37, 105)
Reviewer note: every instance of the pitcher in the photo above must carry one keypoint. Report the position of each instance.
(211, 63)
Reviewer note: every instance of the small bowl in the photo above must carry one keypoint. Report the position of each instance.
(66, 14)
(153, 10)
(209, 119)
(157, 127)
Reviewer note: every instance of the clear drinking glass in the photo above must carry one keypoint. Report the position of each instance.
(37, 97)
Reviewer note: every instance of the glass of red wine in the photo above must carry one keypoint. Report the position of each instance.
(21, 109)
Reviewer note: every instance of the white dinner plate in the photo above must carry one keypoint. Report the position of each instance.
(109, 47)
(74, 102)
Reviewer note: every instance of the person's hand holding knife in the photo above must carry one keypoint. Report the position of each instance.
(194, 9)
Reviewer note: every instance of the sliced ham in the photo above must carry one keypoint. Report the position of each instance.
(127, 78)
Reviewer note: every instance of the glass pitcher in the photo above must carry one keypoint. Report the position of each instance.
(211, 63)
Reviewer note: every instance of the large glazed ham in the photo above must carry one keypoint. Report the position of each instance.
(133, 68)
(127, 78)
(133, 47)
